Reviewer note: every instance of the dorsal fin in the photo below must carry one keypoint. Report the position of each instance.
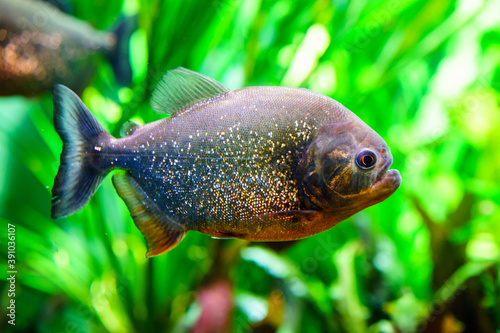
(128, 128)
(180, 88)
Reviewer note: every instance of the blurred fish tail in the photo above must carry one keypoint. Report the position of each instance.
(79, 173)
(119, 55)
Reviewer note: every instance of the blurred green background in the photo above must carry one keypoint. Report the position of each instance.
(424, 74)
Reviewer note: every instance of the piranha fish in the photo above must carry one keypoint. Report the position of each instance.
(258, 163)
(41, 46)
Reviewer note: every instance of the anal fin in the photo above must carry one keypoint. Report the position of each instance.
(161, 233)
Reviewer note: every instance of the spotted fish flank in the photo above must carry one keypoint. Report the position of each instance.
(259, 163)
(41, 46)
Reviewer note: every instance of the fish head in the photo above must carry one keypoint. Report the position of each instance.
(346, 169)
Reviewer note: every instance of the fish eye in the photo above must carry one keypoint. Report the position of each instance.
(366, 159)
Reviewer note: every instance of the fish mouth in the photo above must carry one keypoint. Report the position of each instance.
(387, 178)
(386, 183)
(383, 170)
(390, 179)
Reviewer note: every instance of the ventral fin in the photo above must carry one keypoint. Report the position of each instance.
(161, 233)
(128, 128)
(181, 87)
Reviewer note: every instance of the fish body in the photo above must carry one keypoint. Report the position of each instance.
(41, 46)
(258, 163)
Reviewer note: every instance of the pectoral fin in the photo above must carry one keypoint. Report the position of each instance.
(292, 225)
(227, 235)
(128, 128)
(290, 216)
(161, 233)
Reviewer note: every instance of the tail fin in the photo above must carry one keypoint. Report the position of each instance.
(119, 56)
(78, 177)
